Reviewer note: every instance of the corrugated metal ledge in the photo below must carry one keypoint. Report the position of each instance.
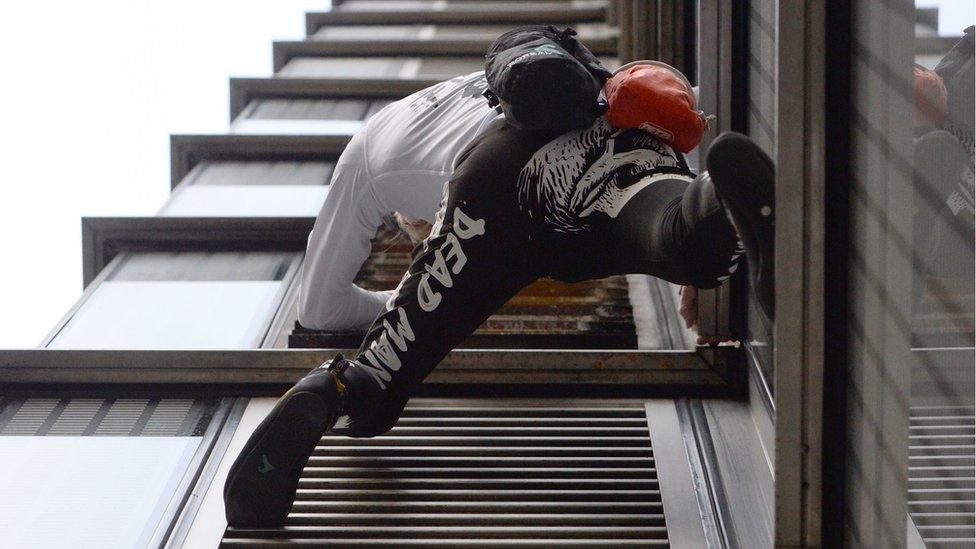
(686, 371)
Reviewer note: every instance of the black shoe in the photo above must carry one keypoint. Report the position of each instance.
(744, 180)
(261, 485)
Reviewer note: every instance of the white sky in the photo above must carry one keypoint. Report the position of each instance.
(954, 15)
(90, 93)
(92, 90)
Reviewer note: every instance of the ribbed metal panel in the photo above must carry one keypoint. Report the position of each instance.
(75, 417)
(942, 475)
(121, 417)
(104, 417)
(477, 475)
(25, 418)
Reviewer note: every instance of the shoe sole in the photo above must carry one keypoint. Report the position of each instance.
(744, 179)
(262, 483)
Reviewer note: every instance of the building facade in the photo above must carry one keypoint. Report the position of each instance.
(579, 415)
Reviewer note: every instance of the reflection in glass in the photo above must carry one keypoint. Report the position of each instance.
(940, 244)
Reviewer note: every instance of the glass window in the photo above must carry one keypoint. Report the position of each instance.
(252, 126)
(246, 201)
(172, 315)
(760, 116)
(383, 67)
(252, 188)
(112, 492)
(587, 31)
(199, 300)
(397, 5)
(203, 266)
(308, 109)
(911, 322)
(346, 67)
(260, 172)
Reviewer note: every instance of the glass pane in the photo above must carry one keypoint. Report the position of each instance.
(204, 266)
(911, 321)
(246, 201)
(255, 126)
(309, 109)
(172, 315)
(357, 5)
(942, 423)
(112, 491)
(586, 31)
(389, 67)
(257, 172)
(346, 67)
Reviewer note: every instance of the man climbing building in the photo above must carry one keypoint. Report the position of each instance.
(520, 205)
(399, 163)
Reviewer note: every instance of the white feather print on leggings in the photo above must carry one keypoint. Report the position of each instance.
(590, 170)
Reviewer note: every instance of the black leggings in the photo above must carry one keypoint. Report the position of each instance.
(489, 243)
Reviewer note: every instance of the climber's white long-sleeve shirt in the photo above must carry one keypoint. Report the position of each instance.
(399, 162)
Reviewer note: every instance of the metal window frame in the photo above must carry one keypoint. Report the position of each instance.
(113, 260)
(186, 151)
(798, 153)
(798, 336)
(286, 50)
(185, 493)
(103, 238)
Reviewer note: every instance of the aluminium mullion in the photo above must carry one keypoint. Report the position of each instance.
(194, 470)
(281, 299)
